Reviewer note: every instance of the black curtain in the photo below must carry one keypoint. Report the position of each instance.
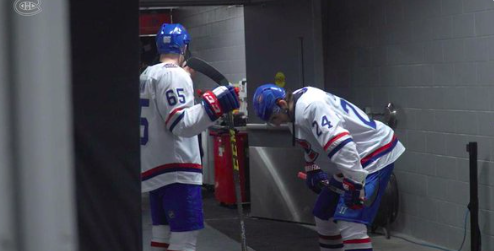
(105, 88)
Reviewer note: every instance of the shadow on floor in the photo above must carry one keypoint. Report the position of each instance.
(272, 235)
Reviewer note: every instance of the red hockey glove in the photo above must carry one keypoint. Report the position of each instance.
(222, 99)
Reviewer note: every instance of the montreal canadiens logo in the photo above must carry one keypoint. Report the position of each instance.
(310, 154)
(27, 8)
(171, 214)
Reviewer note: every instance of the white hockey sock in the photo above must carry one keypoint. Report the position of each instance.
(153, 248)
(330, 242)
(329, 235)
(160, 238)
(183, 241)
(358, 244)
(355, 236)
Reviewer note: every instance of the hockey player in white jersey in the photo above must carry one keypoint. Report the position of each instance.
(339, 139)
(170, 159)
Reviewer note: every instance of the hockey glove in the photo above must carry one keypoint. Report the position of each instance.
(316, 179)
(353, 196)
(222, 99)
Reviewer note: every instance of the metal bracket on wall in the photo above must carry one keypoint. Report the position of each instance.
(388, 116)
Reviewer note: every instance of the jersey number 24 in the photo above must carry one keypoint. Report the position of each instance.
(345, 105)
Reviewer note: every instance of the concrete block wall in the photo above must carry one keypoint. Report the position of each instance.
(218, 36)
(435, 60)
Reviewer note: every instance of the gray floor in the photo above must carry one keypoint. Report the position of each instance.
(211, 239)
(380, 243)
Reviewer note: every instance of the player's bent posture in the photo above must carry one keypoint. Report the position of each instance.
(170, 159)
(356, 151)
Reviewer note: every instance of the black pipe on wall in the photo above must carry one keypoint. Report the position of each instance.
(473, 206)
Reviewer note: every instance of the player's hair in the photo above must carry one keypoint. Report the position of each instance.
(289, 96)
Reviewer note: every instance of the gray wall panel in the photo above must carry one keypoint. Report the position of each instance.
(8, 228)
(217, 36)
(273, 44)
(435, 62)
(283, 36)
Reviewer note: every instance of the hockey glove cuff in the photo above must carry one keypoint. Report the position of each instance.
(222, 99)
(354, 194)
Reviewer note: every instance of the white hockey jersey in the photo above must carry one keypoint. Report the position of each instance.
(170, 123)
(339, 137)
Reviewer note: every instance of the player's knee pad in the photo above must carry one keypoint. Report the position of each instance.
(160, 236)
(329, 235)
(354, 236)
(183, 241)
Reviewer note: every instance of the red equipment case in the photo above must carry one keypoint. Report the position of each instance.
(224, 188)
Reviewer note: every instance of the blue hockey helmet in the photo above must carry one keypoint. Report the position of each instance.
(265, 99)
(172, 39)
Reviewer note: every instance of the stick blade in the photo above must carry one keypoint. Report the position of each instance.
(203, 67)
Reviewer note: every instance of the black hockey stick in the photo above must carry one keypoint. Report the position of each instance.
(201, 66)
(322, 184)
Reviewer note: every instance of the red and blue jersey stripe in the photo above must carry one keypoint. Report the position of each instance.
(172, 167)
(337, 142)
(178, 114)
(379, 152)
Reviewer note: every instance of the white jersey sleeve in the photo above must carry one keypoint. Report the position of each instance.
(175, 102)
(336, 141)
